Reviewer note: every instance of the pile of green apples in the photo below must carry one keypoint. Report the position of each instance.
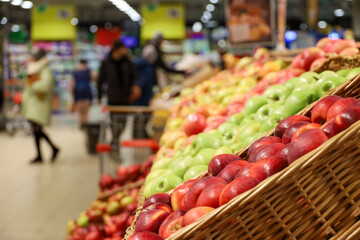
(261, 113)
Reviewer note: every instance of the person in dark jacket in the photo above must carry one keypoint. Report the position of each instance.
(118, 72)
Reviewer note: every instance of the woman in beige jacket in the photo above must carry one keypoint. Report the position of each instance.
(37, 98)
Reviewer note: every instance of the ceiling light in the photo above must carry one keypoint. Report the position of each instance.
(204, 19)
(197, 27)
(214, 1)
(127, 9)
(4, 21)
(207, 14)
(27, 5)
(221, 43)
(74, 21)
(210, 7)
(339, 12)
(93, 28)
(322, 24)
(16, 2)
(15, 28)
(6, 0)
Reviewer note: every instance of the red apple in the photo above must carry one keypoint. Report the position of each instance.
(158, 197)
(321, 108)
(285, 124)
(196, 189)
(341, 105)
(160, 205)
(121, 174)
(284, 151)
(133, 171)
(244, 171)
(179, 195)
(131, 208)
(236, 187)
(195, 214)
(194, 124)
(346, 118)
(218, 163)
(340, 45)
(318, 62)
(210, 196)
(267, 167)
(350, 51)
(321, 43)
(150, 220)
(120, 220)
(118, 235)
(328, 45)
(291, 130)
(265, 152)
(298, 61)
(328, 128)
(94, 235)
(229, 172)
(95, 215)
(172, 227)
(310, 55)
(110, 228)
(304, 128)
(106, 181)
(145, 236)
(262, 142)
(129, 220)
(306, 142)
(172, 216)
(239, 163)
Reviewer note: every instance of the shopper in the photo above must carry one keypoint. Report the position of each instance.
(37, 99)
(82, 91)
(118, 72)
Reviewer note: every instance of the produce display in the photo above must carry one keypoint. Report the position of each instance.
(229, 175)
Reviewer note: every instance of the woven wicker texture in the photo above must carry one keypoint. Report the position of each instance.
(129, 186)
(336, 63)
(316, 197)
(141, 199)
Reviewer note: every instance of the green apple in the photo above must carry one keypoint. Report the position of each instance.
(248, 119)
(174, 123)
(296, 102)
(154, 174)
(326, 84)
(271, 122)
(222, 150)
(225, 127)
(113, 207)
(290, 84)
(277, 92)
(252, 138)
(311, 89)
(229, 137)
(83, 221)
(248, 83)
(178, 153)
(248, 130)
(280, 111)
(264, 112)
(309, 77)
(148, 189)
(203, 157)
(353, 72)
(236, 146)
(194, 171)
(254, 103)
(205, 140)
(186, 151)
(127, 200)
(165, 183)
(236, 118)
(327, 74)
(70, 226)
(161, 163)
(343, 72)
(181, 167)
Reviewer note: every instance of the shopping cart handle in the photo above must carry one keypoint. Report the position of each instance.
(141, 143)
(101, 148)
(105, 109)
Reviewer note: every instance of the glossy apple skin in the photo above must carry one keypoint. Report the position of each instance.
(194, 124)
(284, 151)
(321, 108)
(298, 62)
(229, 172)
(158, 197)
(267, 167)
(350, 51)
(106, 181)
(285, 124)
(317, 63)
(196, 189)
(145, 236)
(304, 128)
(195, 214)
(244, 171)
(306, 142)
(218, 163)
(172, 227)
(328, 128)
(262, 142)
(240, 163)
(346, 118)
(94, 235)
(160, 205)
(172, 216)
(130, 220)
(179, 195)
(210, 196)
(150, 220)
(236, 187)
(340, 106)
(291, 130)
(265, 152)
(310, 55)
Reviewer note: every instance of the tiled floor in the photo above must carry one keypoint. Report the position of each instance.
(37, 201)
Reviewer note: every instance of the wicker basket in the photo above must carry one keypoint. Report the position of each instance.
(335, 63)
(129, 186)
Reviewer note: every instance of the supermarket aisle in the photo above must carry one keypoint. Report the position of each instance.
(37, 201)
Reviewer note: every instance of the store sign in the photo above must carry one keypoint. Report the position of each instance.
(250, 21)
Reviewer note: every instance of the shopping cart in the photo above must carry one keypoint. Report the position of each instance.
(139, 127)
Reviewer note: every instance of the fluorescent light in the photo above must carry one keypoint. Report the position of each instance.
(4, 21)
(214, 1)
(93, 28)
(197, 27)
(6, 0)
(322, 24)
(15, 28)
(207, 14)
(210, 7)
(74, 21)
(339, 12)
(16, 2)
(204, 19)
(127, 9)
(221, 43)
(27, 5)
